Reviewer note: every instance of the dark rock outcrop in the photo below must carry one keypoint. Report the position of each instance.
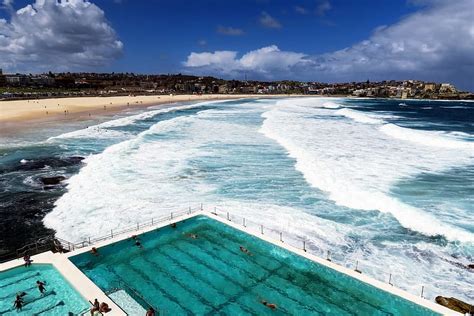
(52, 180)
(40, 163)
(455, 304)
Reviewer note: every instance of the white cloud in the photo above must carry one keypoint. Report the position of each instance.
(265, 62)
(7, 5)
(301, 10)
(266, 20)
(229, 30)
(435, 43)
(218, 59)
(51, 35)
(323, 7)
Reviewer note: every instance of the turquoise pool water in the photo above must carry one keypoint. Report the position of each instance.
(59, 299)
(210, 275)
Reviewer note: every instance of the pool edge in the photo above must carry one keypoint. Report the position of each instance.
(89, 290)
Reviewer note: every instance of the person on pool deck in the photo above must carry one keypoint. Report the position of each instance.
(269, 305)
(104, 308)
(245, 250)
(95, 307)
(150, 312)
(18, 303)
(27, 260)
(41, 287)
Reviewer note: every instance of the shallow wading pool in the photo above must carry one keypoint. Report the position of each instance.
(59, 299)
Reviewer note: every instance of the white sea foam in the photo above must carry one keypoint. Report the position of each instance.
(456, 107)
(143, 176)
(426, 138)
(356, 164)
(155, 173)
(331, 105)
(90, 132)
(359, 116)
(103, 130)
(309, 102)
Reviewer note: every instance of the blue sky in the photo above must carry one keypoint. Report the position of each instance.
(170, 30)
(317, 40)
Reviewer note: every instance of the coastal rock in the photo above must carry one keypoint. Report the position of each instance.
(52, 180)
(470, 266)
(454, 304)
(41, 163)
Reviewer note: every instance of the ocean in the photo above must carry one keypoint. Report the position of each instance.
(387, 183)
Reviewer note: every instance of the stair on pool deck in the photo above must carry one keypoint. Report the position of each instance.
(127, 303)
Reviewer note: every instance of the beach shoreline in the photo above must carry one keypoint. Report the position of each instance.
(31, 114)
(59, 108)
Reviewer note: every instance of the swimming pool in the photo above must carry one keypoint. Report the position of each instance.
(59, 299)
(198, 268)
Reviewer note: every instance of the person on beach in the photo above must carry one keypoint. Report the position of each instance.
(41, 287)
(95, 307)
(150, 312)
(245, 250)
(269, 305)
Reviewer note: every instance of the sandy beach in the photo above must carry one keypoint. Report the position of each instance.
(69, 108)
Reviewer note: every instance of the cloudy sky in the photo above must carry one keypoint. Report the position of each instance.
(313, 40)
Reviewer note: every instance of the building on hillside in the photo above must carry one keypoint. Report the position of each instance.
(223, 89)
(2, 78)
(17, 80)
(447, 88)
(42, 81)
(429, 87)
(404, 93)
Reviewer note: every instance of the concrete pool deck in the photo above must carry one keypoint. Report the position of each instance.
(89, 291)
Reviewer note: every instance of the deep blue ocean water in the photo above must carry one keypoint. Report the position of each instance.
(387, 182)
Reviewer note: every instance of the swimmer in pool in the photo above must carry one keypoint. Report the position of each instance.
(41, 287)
(245, 250)
(137, 241)
(269, 305)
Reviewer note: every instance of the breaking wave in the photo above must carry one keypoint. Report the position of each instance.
(356, 164)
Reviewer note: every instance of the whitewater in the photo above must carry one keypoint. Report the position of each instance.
(346, 175)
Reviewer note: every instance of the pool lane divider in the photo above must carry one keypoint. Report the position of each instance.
(89, 290)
